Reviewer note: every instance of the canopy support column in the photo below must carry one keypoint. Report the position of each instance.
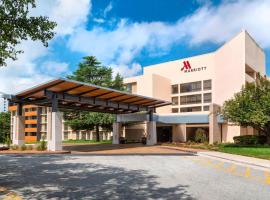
(117, 132)
(18, 134)
(55, 126)
(151, 128)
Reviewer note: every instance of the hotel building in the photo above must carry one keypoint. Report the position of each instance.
(197, 87)
(36, 125)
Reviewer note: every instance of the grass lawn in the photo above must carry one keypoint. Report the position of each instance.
(256, 151)
(260, 151)
(87, 142)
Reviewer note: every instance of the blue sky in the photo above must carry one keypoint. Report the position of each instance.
(130, 34)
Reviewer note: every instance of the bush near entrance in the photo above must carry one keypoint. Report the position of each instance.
(250, 139)
(200, 136)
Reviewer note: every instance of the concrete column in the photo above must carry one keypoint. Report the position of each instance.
(214, 127)
(151, 131)
(91, 135)
(49, 124)
(55, 142)
(179, 133)
(18, 130)
(117, 132)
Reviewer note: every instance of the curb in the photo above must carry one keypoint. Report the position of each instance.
(204, 153)
(33, 153)
(233, 160)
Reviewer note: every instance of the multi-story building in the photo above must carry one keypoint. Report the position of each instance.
(197, 87)
(35, 126)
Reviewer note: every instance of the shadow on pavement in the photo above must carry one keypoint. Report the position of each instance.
(55, 177)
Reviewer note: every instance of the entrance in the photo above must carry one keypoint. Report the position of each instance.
(164, 134)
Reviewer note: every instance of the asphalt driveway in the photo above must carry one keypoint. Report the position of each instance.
(129, 177)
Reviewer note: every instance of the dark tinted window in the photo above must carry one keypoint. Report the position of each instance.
(175, 110)
(175, 89)
(207, 98)
(175, 100)
(191, 87)
(207, 85)
(191, 109)
(190, 99)
(206, 108)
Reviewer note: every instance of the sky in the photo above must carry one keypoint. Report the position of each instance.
(128, 35)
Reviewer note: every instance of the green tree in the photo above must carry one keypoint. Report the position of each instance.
(16, 25)
(4, 127)
(91, 71)
(251, 106)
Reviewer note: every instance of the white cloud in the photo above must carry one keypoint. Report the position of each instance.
(126, 41)
(127, 70)
(24, 72)
(216, 24)
(108, 9)
(99, 20)
(55, 68)
(68, 14)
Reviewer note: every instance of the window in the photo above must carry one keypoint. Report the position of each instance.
(129, 87)
(206, 108)
(175, 89)
(207, 98)
(30, 126)
(175, 110)
(190, 99)
(191, 109)
(207, 85)
(191, 87)
(175, 101)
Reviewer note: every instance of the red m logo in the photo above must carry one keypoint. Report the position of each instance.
(186, 65)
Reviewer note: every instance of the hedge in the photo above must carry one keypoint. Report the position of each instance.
(250, 139)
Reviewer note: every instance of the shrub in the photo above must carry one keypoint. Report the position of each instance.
(8, 141)
(23, 147)
(201, 136)
(250, 139)
(14, 147)
(42, 146)
(29, 147)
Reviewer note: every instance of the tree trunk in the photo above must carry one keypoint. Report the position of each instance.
(97, 133)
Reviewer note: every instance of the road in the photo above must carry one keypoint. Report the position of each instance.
(129, 177)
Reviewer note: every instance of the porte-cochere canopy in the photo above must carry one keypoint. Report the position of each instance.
(69, 94)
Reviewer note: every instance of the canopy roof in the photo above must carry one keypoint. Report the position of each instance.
(71, 94)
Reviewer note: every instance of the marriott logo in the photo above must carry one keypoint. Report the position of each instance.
(187, 68)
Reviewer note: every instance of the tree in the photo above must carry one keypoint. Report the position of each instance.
(91, 71)
(4, 127)
(16, 25)
(251, 106)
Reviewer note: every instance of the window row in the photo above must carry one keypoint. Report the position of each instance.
(190, 109)
(192, 99)
(192, 86)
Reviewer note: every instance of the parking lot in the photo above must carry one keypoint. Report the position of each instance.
(179, 176)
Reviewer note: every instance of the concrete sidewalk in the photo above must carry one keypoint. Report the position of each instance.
(238, 159)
